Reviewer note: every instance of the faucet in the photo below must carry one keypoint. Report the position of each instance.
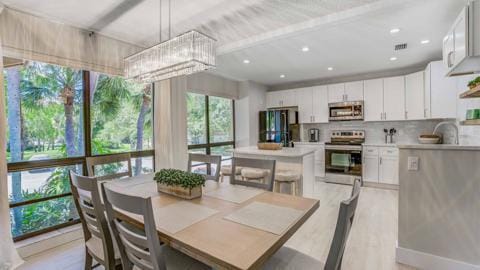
(453, 124)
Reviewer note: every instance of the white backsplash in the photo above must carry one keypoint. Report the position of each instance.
(407, 131)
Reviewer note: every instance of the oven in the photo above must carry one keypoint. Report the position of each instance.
(345, 111)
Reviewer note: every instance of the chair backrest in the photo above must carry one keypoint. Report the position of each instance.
(109, 159)
(342, 230)
(140, 248)
(263, 164)
(92, 214)
(209, 160)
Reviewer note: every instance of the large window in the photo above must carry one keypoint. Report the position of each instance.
(210, 126)
(46, 136)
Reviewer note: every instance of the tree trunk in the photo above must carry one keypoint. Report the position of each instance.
(69, 128)
(14, 124)
(140, 127)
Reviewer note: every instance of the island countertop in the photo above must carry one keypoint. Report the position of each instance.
(284, 152)
(440, 147)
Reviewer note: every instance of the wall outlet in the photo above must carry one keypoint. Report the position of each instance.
(413, 163)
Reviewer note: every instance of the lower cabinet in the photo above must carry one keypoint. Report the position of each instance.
(319, 156)
(380, 164)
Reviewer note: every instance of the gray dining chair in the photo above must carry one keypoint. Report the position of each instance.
(92, 162)
(288, 258)
(140, 248)
(98, 240)
(262, 167)
(209, 160)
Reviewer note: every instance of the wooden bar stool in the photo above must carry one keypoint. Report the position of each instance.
(288, 177)
(226, 170)
(253, 174)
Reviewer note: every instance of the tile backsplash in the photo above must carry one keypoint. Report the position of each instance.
(407, 131)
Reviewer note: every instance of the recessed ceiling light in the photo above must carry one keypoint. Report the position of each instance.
(282, 76)
(393, 58)
(330, 68)
(394, 30)
(246, 61)
(305, 49)
(425, 41)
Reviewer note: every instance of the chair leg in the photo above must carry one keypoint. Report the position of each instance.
(88, 260)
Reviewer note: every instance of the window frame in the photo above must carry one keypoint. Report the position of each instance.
(69, 161)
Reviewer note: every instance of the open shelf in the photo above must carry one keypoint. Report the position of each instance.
(475, 122)
(472, 93)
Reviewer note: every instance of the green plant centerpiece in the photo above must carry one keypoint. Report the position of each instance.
(474, 83)
(179, 183)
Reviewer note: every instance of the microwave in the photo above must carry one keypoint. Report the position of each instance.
(345, 111)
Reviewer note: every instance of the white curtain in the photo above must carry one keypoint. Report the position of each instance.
(9, 258)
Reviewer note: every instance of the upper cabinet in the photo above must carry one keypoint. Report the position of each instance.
(461, 46)
(278, 99)
(394, 98)
(440, 92)
(341, 92)
(312, 104)
(415, 96)
(373, 100)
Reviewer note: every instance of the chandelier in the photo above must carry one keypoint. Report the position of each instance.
(185, 54)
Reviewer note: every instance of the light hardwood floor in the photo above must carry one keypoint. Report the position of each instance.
(371, 245)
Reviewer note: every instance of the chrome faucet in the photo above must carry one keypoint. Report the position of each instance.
(453, 124)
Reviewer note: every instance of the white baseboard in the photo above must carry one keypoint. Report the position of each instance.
(43, 242)
(427, 261)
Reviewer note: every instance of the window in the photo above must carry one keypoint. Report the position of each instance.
(46, 137)
(210, 127)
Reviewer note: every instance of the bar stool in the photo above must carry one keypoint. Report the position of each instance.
(226, 170)
(289, 177)
(252, 174)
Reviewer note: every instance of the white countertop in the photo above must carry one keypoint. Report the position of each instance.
(380, 144)
(284, 152)
(440, 147)
(309, 143)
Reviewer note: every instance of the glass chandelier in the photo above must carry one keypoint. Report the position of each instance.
(182, 55)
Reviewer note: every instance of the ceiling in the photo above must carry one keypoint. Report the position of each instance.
(352, 36)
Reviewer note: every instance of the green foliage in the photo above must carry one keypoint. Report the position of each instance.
(474, 82)
(173, 177)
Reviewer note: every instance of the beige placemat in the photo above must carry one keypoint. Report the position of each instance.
(235, 194)
(266, 217)
(180, 215)
(135, 180)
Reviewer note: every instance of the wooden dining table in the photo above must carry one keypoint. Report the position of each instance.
(215, 240)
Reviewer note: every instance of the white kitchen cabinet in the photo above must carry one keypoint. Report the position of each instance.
(440, 92)
(285, 98)
(319, 156)
(354, 91)
(454, 43)
(388, 170)
(370, 168)
(320, 104)
(304, 101)
(380, 164)
(336, 92)
(373, 95)
(394, 98)
(414, 96)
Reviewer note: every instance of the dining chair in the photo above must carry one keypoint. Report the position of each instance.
(209, 160)
(288, 258)
(140, 248)
(92, 162)
(98, 240)
(250, 165)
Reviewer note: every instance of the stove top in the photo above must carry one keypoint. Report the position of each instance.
(347, 137)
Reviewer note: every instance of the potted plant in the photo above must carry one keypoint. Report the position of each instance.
(474, 83)
(180, 183)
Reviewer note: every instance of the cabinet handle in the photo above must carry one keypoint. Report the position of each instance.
(384, 116)
(406, 115)
(380, 161)
(449, 59)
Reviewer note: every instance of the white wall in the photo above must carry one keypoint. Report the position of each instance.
(251, 100)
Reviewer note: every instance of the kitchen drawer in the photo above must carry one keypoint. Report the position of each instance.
(389, 151)
(370, 151)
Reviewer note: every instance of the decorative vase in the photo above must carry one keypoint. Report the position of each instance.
(181, 192)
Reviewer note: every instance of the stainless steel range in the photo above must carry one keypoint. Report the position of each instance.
(343, 156)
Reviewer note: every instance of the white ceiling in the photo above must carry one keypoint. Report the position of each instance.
(350, 35)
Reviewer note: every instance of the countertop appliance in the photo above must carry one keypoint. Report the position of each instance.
(278, 126)
(314, 135)
(345, 111)
(343, 156)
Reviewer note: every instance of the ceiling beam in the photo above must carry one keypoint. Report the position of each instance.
(117, 12)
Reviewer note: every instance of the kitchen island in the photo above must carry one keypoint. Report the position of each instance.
(299, 159)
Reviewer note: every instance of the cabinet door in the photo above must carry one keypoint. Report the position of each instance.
(414, 96)
(288, 98)
(370, 169)
(320, 104)
(304, 100)
(354, 91)
(273, 100)
(427, 93)
(388, 170)
(460, 37)
(394, 98)
(373, 100)
(443, 92)
(448, 51)
(336, 93)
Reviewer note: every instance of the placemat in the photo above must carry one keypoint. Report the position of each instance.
(235, 194)
(180, 215)
(266, 217)
(135, 180)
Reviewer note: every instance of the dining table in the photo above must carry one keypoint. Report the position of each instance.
(228, 227)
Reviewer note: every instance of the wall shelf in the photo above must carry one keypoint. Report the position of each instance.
(472, 93)
(475, 122)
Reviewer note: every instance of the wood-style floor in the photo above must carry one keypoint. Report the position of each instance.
(371, 245)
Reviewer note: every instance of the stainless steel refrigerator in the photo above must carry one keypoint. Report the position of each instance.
(280, 126)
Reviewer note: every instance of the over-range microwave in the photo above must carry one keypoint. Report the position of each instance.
(345, 111)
